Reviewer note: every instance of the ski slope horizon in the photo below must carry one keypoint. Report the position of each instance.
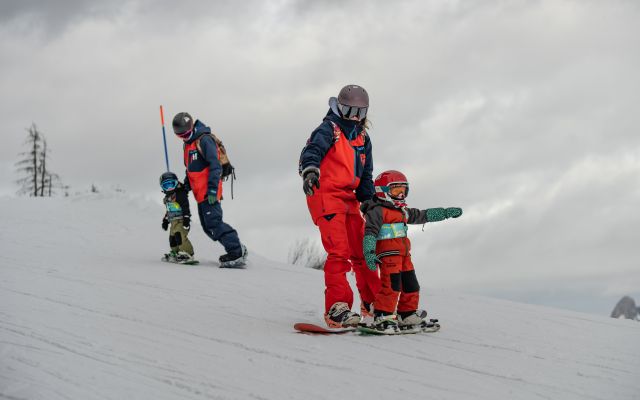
(89, 312)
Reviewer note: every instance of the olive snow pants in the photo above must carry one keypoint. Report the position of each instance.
(178, 237)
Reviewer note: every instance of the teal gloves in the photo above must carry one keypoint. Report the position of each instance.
(212, 196)
(436, 214)
(439, 214)
(369, 250)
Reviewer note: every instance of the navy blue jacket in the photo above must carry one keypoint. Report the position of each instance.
(209, 159)
(321, 141)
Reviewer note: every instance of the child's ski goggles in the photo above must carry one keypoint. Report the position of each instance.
(169, 184)
(350, 111)
(398, 191)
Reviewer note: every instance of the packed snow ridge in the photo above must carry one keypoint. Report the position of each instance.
(87, 311)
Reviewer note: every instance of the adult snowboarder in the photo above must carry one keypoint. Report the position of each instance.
(386, 243)
(336, 167)
(203, 177)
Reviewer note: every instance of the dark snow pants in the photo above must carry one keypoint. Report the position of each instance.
(216, 229)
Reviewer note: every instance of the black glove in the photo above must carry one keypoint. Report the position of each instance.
(165, 224)
(309, 181)
(227, 171)
(186, 222)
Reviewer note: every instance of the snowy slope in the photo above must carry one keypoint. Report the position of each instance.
(88, 312)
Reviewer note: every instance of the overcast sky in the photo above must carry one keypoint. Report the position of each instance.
(523, 113)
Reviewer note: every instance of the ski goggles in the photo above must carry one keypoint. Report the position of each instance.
(351, 111)
(399, 190)
(169, 184)
(186, 135)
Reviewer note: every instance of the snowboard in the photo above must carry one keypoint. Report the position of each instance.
(314, 329)
(240, 264)
(192, 262)
(426, 327)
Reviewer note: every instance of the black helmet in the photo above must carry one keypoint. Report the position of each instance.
(168, 181)
(353, 101)
(183, 125)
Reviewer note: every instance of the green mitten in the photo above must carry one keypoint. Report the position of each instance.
(212, 196)
(369, 250)
(454, 212)
(436, 214)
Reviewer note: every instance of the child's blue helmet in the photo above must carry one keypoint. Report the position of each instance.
(168, 182)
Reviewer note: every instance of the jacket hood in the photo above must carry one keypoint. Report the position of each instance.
(199, 129)
(350, 128)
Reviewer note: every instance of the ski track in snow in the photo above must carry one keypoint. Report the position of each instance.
(87, 311)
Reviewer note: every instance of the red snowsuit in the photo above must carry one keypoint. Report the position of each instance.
(344, 165)
(400, 289)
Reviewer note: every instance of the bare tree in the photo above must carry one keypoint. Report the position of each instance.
(50, 180)
(29, 165)
(38, 178)
(43, 167)
(305, 252)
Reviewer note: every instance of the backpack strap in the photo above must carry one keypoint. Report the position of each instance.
(198, 142)
(336, 132)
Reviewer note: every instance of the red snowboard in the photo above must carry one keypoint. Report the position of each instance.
(304, 327)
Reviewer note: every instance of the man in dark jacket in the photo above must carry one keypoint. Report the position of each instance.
(202, 159)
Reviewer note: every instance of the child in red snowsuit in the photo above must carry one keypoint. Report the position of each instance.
(336, 167)
(386, 243)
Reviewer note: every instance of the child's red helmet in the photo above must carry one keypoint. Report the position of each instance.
(393, 187)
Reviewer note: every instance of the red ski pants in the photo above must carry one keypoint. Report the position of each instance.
(400, 288)
(342, 236)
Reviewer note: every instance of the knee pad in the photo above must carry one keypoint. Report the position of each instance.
(410, 282)
(396, 281)
(177, 238)
(172, 241)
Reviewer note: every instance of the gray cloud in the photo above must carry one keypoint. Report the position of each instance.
(523, 113)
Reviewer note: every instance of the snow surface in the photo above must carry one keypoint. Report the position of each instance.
(87, 311)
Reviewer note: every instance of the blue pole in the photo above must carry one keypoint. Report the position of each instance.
(164, 138)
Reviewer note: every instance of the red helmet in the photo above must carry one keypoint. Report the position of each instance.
(393, 187)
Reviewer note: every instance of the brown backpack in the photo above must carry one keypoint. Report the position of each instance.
(227, 168)
(228, 171)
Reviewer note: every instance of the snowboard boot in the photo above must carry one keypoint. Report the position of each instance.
(184, 257)
(340, 316)
(170, 256)
(234, 261)
(411, 318)
(386, 323)
(366, 310)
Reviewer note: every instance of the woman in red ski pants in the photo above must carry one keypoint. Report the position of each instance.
(336, 167)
